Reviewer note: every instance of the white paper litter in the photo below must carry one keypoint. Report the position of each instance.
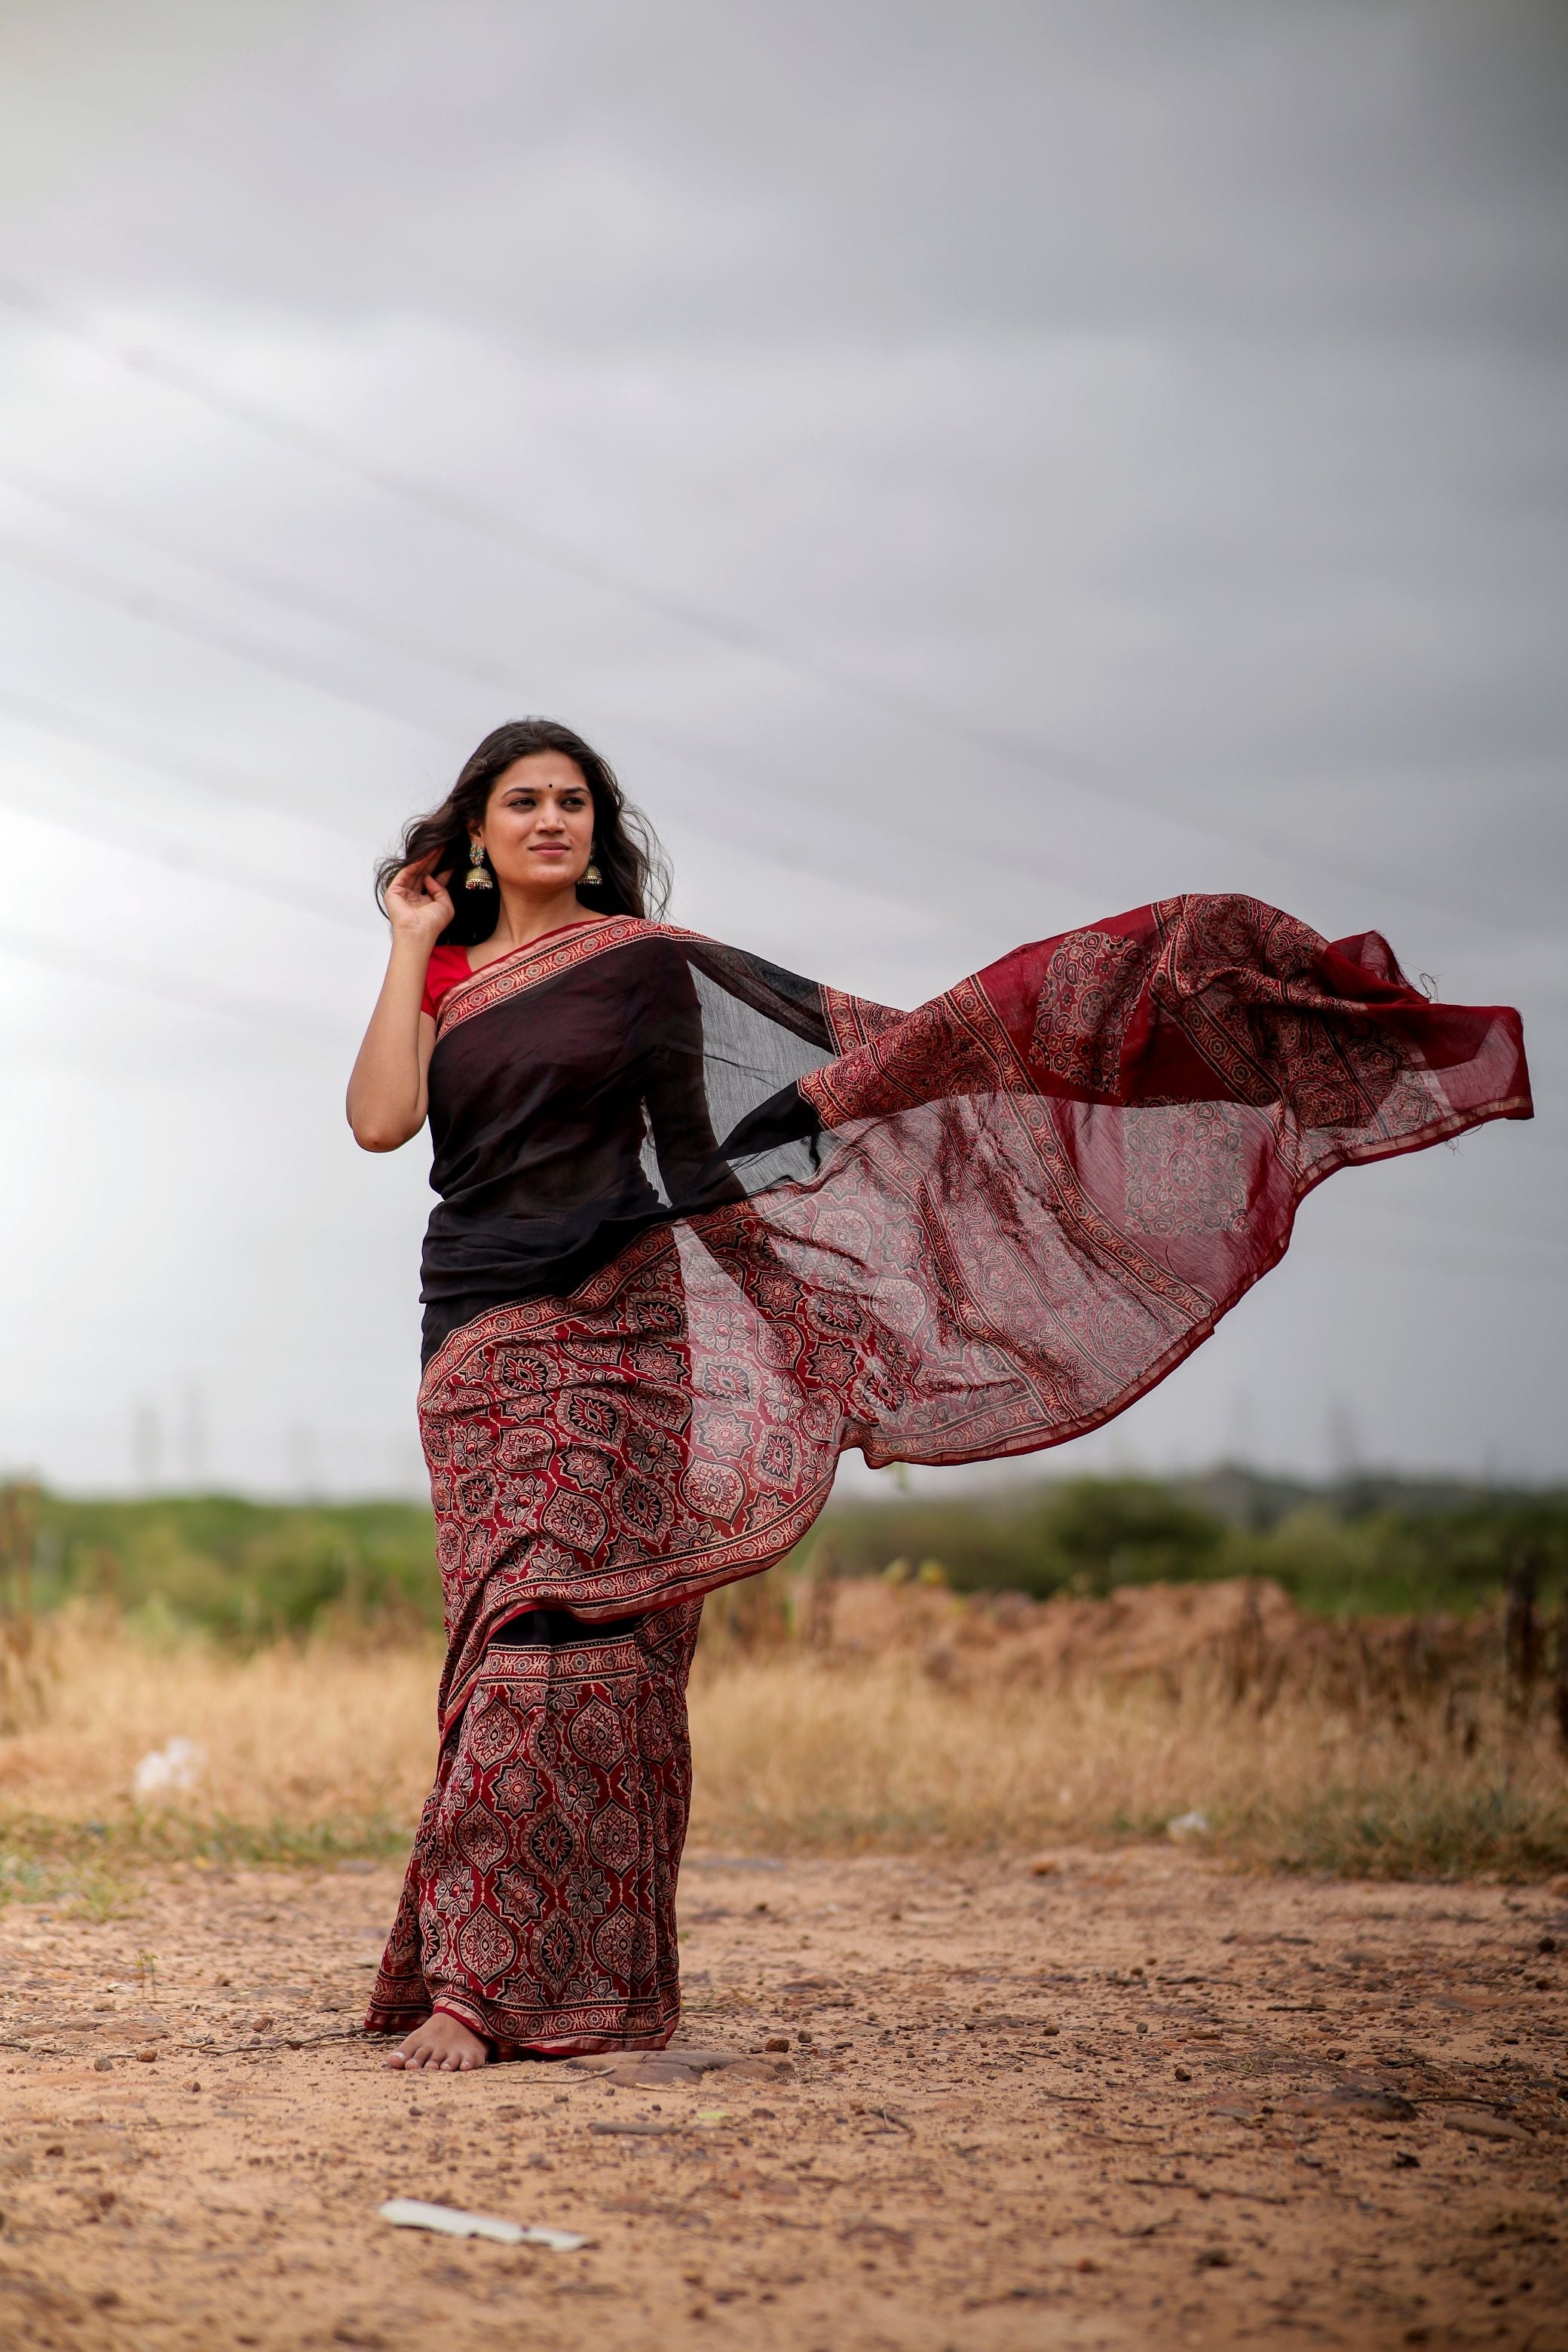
(1187, 1825)
(177, 1765)
(413, 2213)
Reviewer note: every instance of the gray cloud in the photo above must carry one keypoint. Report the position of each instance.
(974, 468)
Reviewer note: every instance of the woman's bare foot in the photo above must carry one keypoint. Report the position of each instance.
(440, 2046)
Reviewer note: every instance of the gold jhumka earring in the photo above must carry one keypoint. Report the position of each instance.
(591, 873)
(478, 877)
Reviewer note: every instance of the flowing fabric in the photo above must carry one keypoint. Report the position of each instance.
(705, 1226)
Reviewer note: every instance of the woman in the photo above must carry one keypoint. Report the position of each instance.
(704, 1225)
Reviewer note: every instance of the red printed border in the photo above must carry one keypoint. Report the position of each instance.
(541, 959)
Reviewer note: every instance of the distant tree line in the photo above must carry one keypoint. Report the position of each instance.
(1367, 1545)
(250, 1572)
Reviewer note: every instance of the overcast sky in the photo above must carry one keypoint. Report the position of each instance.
(972, 467)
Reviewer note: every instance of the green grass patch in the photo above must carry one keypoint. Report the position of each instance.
(82, 1885)
(1425, 1828)
(247, 1574)
(92, 1863)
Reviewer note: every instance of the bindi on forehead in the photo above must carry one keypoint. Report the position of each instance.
(526, 777)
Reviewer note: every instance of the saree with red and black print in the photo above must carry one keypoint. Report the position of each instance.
(705, 1226)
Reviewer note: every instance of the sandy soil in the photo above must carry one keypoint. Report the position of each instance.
(1127, 2101)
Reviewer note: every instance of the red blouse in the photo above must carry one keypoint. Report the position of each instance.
(449, 965)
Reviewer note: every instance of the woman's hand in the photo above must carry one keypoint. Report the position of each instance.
(389, 1093)
(418, 904)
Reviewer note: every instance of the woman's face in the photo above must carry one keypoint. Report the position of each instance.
(538, 828)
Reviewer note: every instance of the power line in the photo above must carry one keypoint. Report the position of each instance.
(144, 605)
(158, 611)
(402, 642)
(160, 757)
(174, 860)
(215, 999)
(492, 675)
(460, 512)
(495, 676)
(17, 796)
(148, 609)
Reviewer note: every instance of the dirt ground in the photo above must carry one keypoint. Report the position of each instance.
(1117, 2100)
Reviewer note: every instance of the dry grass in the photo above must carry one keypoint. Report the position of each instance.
(911, 1717)
(793, 1753)
(919, 1725)
(309, 1751)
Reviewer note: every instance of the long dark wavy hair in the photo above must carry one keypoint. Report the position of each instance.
(634, 876)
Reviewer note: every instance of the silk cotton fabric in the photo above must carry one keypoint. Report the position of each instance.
(704, 1226)
(538, 1908)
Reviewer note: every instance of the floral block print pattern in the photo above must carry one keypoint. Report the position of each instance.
(1028, 1202)
(947, 1235)
(538, 1905)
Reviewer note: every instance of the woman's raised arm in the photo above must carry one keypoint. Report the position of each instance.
(388, 1092)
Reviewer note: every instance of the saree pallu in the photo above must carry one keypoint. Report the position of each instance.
(705, 1226)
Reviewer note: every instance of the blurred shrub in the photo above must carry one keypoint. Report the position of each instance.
(1394, 1561)
(246, 1573)
(1367, 1547)
(1083, 1534)
(1110, 1532)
